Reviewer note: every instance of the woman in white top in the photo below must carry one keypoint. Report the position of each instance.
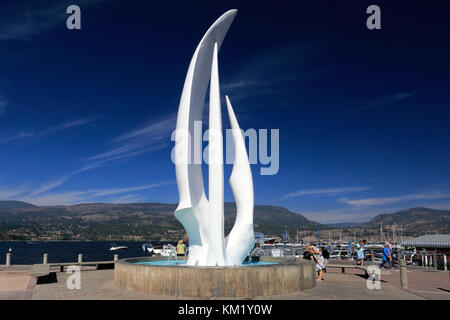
(319, 263)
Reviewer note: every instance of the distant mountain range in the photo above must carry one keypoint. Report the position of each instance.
(136, 221)
(414, 220)
(149, 221)
(12, 205)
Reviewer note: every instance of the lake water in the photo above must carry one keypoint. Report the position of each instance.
(25, 252)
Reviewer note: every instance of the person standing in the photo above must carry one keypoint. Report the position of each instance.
(360, 251)
(386, 256)
(358, 248)
(309, 253)
(318, 258)
(326, 256)
(391, 254)
(181, 249)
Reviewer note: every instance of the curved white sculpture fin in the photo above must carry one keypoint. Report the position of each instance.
(241, 238)
(193, 208)
(189, 174)
(203, 219)
(216, 254)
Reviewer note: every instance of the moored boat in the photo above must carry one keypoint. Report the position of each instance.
(147, 247)
(115, 247)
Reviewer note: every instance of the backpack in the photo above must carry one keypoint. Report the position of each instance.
(306, 255)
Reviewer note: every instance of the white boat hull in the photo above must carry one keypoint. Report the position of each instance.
(117, 248)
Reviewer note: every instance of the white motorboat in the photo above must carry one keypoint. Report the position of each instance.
(115, 247)
(147, 247)
(165, 250)
(157, 248)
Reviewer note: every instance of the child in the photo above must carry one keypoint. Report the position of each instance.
(360, 251)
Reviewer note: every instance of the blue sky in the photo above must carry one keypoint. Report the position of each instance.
(86, 115)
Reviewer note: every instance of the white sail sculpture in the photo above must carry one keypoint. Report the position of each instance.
(203, 218)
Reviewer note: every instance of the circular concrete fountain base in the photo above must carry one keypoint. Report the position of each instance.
(242, 281)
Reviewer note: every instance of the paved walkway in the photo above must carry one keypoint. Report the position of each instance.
(99, 285)
(433, 285)
(430, 284)
(15, 283)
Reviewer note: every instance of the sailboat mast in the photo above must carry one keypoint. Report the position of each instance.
(318, 234)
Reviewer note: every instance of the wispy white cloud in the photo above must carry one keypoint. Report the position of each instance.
(149, 137)
(68, 125)
(129, 198)
(440, 205)
(42, 196)
(46, 132)
(385, 101)
(152, 136)
(12, 193)
(337, 216)
(106, 192)
(362, 214)
(48, 186)
(64, 126)
(241, 84)
(157, 130)
(270, 72)
(429, 195)
(326, 191)
(352, 214)
(21, 135)
(56, 198)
